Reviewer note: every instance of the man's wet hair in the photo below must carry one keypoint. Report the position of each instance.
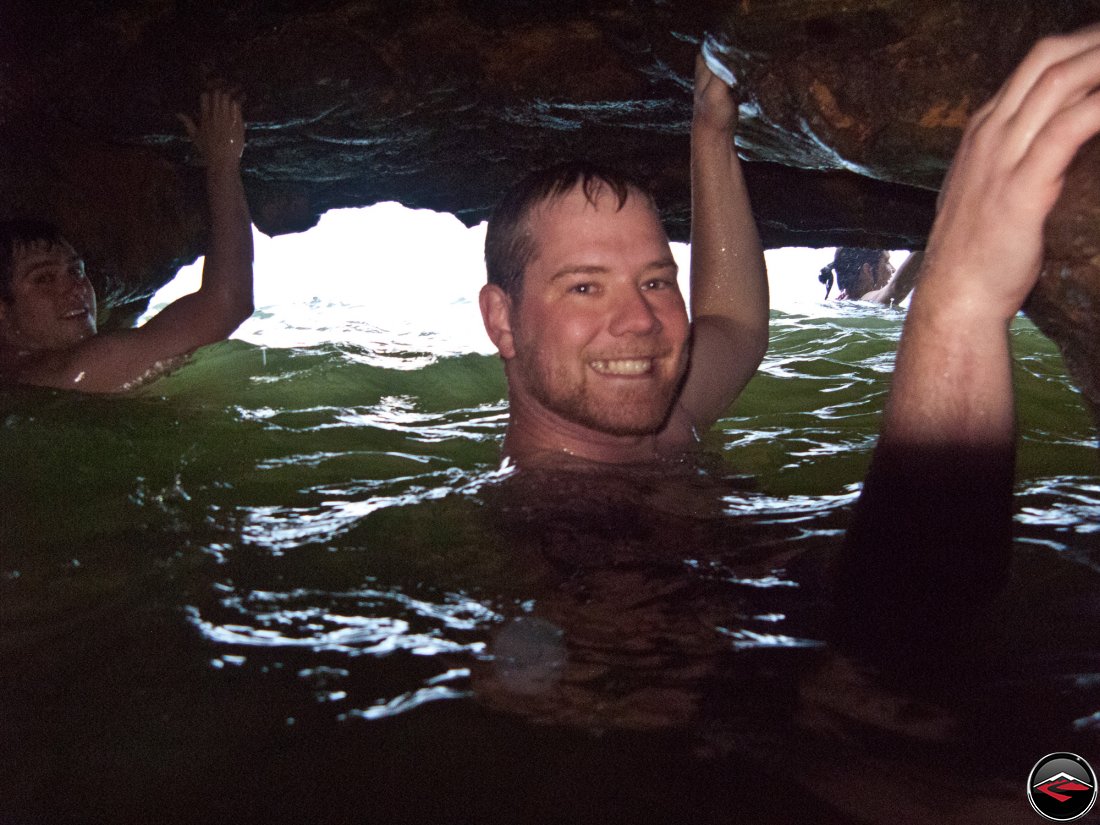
(18, 233)
(846, 266)
(509, 244)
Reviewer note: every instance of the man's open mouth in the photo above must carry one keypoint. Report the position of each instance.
(623, 366)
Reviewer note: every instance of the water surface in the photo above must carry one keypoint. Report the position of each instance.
(293, 583)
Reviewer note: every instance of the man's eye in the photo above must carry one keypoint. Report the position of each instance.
(581, 289)
(658, 283)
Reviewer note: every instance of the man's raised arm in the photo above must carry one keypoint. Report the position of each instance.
(901, 283)
(729, 285)
(224, 300)
(933, 525)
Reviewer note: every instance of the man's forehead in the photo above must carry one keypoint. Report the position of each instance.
(580, 232)
(576, 211)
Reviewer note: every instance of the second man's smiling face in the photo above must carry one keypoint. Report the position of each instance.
(600, 334)
(53, 305)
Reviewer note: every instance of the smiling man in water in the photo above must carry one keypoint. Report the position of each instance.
(48, 333)
(583, 303)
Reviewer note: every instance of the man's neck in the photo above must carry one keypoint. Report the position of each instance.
(537, 434)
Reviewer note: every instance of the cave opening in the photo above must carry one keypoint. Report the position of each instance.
(386, 275)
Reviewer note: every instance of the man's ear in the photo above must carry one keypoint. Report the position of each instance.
(496, 314)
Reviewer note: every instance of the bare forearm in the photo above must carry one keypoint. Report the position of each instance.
(953, 379)
(728, 277)
(929, 542)
(225, 298)
(227, 273)
(906, 277)
(729, 285)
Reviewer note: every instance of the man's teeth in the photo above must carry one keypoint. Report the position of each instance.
(623, 366)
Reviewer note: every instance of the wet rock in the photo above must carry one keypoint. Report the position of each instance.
(436, 103)
(1066, 303)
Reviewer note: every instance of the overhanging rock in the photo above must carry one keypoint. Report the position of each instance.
(852, 111)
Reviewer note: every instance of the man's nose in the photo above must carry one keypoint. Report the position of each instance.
(634, 315)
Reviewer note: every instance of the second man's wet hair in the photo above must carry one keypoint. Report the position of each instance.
(509, 244)
(847, 262)
(18, 233)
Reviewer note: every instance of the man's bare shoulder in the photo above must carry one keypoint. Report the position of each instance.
(106, 362)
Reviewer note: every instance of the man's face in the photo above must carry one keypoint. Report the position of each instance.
(600, 330)
(870, 278)
(53, 305)
(884, 270)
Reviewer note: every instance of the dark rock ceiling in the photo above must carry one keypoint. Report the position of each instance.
(851, 112)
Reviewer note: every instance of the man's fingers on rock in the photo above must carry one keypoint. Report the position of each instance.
(1006, 130)
(1056, 144)
(1056, 88)
(1045, 53)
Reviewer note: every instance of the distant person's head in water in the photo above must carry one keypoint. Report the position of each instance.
(46, 300)
(857, 272)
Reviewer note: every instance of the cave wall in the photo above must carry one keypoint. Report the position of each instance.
(851, 110)
(436, 103)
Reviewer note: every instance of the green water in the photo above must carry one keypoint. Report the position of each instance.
(291, 585)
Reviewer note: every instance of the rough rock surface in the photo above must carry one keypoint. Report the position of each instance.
(852, 109)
